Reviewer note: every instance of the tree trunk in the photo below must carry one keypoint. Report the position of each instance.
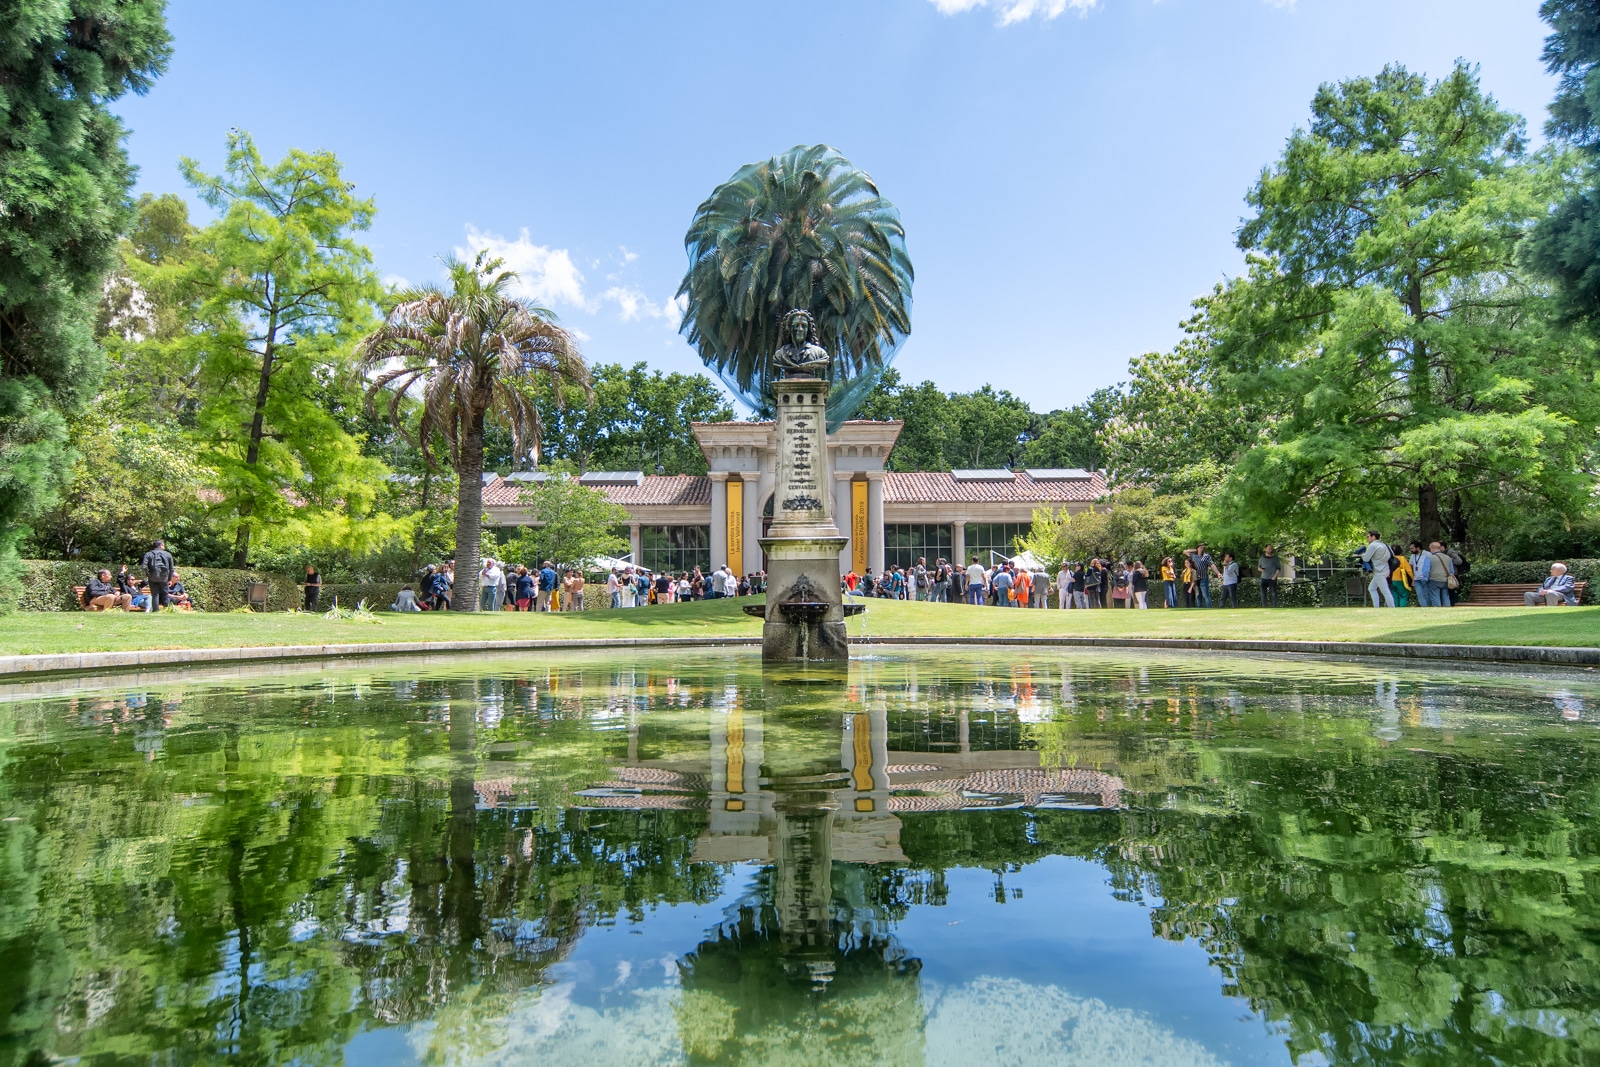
(241, 544)
(469, 512)
(463, 908)
(416, 542)
(1429, 526)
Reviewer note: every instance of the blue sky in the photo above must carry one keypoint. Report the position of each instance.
(1070, 172)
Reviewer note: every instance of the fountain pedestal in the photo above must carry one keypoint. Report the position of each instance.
(805, 608)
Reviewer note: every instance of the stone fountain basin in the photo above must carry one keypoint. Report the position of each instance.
(804, 609)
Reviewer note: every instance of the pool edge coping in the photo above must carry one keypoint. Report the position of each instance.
(36, 664)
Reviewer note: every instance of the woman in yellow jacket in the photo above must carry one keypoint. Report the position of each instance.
(1401, 578)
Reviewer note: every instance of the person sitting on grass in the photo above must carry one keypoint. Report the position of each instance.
(102, 595)
(1556, 590)
(405, 600)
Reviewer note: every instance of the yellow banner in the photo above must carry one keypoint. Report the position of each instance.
(736, 525)
(858, 527)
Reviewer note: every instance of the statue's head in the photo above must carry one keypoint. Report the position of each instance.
(799, 327)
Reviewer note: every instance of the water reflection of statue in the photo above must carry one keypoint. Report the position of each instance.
(801, 355)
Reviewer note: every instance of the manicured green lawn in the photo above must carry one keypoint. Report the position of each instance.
(83, 632)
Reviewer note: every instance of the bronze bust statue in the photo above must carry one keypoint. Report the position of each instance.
(801, 356)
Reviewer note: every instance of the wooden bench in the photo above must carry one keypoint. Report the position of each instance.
(1510, 595)
(77, 598)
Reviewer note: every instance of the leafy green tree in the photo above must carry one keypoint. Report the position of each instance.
(64, 181)
(805, 229)
(945, 431)
(925, 412)
(1382, 318)
(637, 419)
(576, 523)
(1565, 245)
(1136, 524)
(1171, 429)
(283, 291)
(988, 428)
(1071, 437)
(478, 353)
(132, 482)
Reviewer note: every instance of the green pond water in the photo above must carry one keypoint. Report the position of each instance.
(978, 856)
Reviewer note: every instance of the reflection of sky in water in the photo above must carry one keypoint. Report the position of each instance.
(1024, 949)
(1059, 974)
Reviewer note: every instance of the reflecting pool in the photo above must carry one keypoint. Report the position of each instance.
(984, 856)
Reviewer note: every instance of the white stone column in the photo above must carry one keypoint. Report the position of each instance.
(875, 521)
(842, 517)
(958, 543)
(636, 543)
(752, 521)
(719, 518)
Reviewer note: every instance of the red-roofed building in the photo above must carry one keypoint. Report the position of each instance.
(683, 521)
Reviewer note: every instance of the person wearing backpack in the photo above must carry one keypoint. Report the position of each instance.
(1377, 556)
(158, 566)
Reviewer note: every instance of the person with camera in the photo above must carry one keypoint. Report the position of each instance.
(1375, 559)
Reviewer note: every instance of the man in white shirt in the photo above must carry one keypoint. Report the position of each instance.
(1064, 586)
(976, 582)
(1377, 553)
(614, 587)
(486, 585)
(730, 583)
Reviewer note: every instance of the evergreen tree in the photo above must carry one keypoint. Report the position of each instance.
(64, 181)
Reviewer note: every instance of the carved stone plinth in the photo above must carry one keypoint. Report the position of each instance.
(805, 609)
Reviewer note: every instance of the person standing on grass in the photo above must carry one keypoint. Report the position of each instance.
(1434, 571)
(575, 592)
(1230, 580)
(1022, 586)
(158, 566)
(975, 583)
(1190, 581)
(1080, 592)
(1090, 583)
(1378, 557)
(547, 585)
(1139, 582)
(1204, 567)
(313, 587)
(1001, 582)
(1400, 578)
(1064, 586)
(1269, 566)
(1169, 582)
(527, 589)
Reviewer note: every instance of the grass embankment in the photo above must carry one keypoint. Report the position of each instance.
(116, 631)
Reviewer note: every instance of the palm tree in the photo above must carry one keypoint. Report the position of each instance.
(805, 229)
(478, 353)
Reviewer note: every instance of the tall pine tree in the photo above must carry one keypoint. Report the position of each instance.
(64, 182)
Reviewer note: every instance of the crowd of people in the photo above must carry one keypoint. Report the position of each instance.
(1095, 583)
(504, 586)
(1428, 576)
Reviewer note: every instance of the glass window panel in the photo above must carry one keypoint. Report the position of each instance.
(675, 549)
(989, 540)
(905, 543)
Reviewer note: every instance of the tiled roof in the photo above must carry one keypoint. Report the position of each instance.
(684, 490)
(941, 487)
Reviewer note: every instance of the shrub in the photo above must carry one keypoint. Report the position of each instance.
(46, 585)
(1531, 571)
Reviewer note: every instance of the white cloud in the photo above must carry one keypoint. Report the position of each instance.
(545, 274)
(1012, 11)
(635, 304)
(549, 276)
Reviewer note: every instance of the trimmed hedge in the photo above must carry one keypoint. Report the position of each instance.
(46, 585)
(1531, 572)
